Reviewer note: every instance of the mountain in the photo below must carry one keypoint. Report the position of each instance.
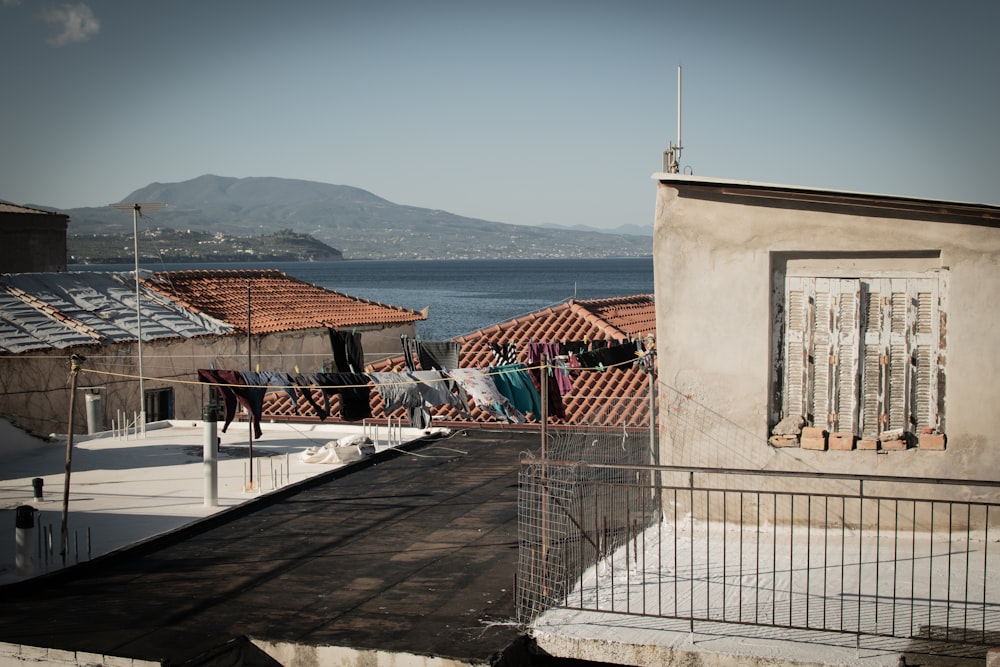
(360, 224)
(627, 229)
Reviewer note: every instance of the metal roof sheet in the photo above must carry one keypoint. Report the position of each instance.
(61, 310)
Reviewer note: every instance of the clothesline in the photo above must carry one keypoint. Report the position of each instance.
(507, 393)
(133, 376)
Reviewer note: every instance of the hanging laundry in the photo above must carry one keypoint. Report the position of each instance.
(533, 357)
(305, 383)
(436, 389)
(504, 354)
(416, 391)
(256, 390)
(283, 382)
(399, 390)
(648, 352)
(409, 352)
(572, 347)
(438, 355)
(514, 382)
(484, 392)
(354, 392)
(348, 355)
(614, 356)
(233, 389)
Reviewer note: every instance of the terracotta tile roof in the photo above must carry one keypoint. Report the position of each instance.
(608, 397)
(278, 302)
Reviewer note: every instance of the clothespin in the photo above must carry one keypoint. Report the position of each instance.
(354, 331)
(258, 368)
(600, 367)
(296, 368)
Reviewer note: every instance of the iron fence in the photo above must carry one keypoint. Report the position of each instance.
(879, 556)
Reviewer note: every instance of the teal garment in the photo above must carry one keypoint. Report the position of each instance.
(514, 382)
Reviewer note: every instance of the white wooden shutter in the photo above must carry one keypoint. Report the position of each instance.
(822, 351)
(798, 320)
(901, 322)
(875, 357)
(823, 354)
(862, 355)
(926, 332)
(848, 353)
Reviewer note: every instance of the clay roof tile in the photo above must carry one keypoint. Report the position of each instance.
(276, 301)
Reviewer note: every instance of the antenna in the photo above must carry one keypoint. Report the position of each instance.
(672, 156)
(137, 209)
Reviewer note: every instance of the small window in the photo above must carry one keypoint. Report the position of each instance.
(159, 404)
(862, 355)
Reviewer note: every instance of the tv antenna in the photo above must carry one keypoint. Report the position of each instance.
(137, 209)
(672, 156)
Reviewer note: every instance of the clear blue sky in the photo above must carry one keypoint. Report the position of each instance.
(522, 112)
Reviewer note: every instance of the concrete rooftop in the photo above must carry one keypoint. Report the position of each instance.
(410, 551)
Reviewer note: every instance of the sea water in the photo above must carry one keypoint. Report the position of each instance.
(462, 295)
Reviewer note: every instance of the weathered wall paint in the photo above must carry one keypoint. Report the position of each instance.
(716, 250)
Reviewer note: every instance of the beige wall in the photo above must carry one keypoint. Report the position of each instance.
(34, 387)
(716, 255)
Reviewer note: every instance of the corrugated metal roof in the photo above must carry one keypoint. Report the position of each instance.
(61, 310)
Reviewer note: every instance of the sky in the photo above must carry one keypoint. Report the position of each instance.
(520, 112)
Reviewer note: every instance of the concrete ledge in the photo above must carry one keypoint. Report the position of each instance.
(287, 653)
(37, 656)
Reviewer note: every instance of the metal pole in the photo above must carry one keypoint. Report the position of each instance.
(74, 370)
(679, 143)
(249, 368)
(138, 314)
(544, 386)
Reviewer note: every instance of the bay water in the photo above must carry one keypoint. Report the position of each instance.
(462, 295)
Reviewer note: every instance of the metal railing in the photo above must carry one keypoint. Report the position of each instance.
(880, 556)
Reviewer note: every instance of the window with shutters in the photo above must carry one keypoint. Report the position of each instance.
(863, 355)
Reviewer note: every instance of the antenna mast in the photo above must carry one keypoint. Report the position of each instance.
(137, 209)
(672, 156)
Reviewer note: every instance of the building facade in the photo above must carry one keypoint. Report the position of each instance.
(190, 320)
(826, 331)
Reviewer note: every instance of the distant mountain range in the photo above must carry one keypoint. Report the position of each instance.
(356, 222)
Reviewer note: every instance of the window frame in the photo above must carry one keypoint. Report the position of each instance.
(861, 354)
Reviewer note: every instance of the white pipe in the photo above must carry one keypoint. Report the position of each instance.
(211, 463)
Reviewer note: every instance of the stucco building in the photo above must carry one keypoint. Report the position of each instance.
(190, 320)
(836, 331)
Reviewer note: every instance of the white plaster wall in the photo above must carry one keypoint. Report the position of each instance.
(713, 282)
